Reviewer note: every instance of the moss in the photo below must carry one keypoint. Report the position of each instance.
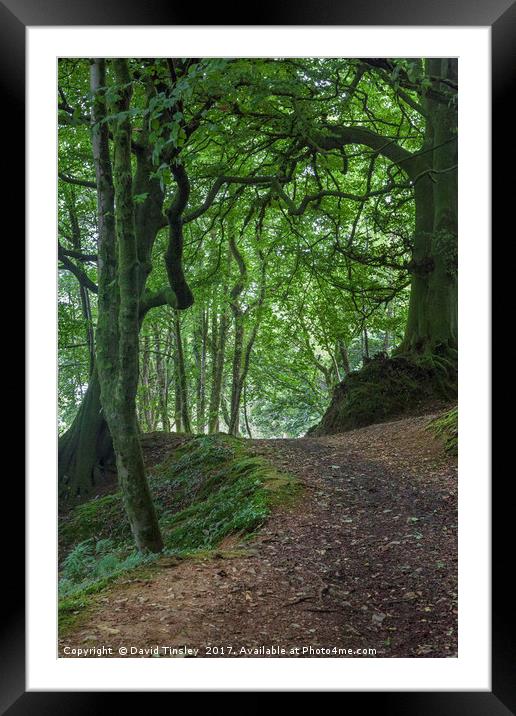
(218, 489)
(174, 484)
(446, 427)
(102, 518)
(389, 387)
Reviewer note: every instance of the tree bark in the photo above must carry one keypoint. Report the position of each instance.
(85, 450)
(119, 315)
(246, 416)
(365, 345)
(432, 320)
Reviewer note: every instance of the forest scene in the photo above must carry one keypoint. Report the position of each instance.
(257, 311)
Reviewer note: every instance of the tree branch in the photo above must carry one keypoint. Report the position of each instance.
(77, 271)
(163, 297)
(294, 210)
(338, 137)
(86, 258)
(219, 183)
(78, 182)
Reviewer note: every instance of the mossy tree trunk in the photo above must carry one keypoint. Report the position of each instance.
(432, 320)
(87, 444)
(236, 389)
(344, 356)
(118, 302)
(85, 449)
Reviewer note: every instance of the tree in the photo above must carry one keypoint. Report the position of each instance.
(242, 347)
(119, 310)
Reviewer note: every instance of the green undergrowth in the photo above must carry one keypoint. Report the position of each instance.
(214, 488)
(446, 427)
(206, 490)
(387, 388)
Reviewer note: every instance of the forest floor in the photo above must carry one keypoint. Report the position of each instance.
(366, 558)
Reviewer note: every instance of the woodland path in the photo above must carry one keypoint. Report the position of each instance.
(366, 558)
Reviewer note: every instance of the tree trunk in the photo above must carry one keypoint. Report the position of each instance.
(133, 484)
(224, 408)
(236, 385)
(241, 360)
(344, 357)
(178, 416)
(162, 378)
(386, 335)
(365, 345)
(201, 338)
(146, 392)
(182, 384)
(85, 450)
(83, 291)
(386, 341)
(118, 323)
(218, 352)
(246, 416)
(432, 319)
(242, 354)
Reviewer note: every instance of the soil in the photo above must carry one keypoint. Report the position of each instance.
(365, 559)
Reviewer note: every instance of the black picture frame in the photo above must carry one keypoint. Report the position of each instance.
(500, 15)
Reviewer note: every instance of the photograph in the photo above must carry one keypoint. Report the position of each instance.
(259, 328)
(258, 353)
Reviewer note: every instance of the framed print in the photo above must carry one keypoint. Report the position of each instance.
(258, 290)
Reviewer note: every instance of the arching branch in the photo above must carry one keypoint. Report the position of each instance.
(218, 184)
(78, 182)
(336, 137)
(77, 271)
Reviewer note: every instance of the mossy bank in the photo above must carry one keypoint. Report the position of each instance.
(387, 388)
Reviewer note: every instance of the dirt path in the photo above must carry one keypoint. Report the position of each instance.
(365, 560)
